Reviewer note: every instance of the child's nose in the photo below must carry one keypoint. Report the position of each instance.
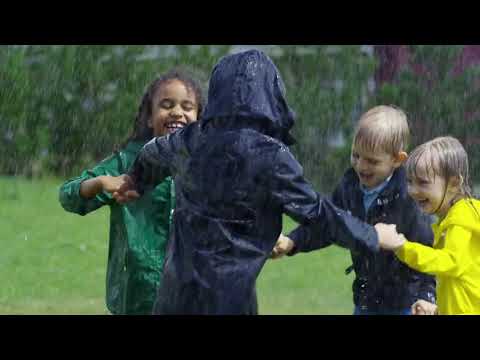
(176, 112)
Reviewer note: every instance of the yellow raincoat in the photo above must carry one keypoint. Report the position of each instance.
(454, 259)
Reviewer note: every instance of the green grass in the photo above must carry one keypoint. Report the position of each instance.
(53, 262)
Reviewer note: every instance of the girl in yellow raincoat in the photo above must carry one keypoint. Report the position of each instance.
(437, 173)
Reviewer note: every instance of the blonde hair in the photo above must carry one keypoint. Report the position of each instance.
(383, 128)
(445, 157)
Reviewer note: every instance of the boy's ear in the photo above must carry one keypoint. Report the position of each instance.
(456, 181)
(401, 157)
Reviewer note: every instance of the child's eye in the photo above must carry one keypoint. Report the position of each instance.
(373, 162)
(355, 155)
(166, 104)
(188, 106)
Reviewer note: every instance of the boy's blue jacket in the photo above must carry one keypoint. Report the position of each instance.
(382, 282)
(234, 178)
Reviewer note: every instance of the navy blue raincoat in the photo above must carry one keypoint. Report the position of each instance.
(234, 178)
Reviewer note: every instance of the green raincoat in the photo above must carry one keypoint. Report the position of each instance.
(138, 234)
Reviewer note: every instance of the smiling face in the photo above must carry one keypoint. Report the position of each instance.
(174, 105)
(373, 168)
(431, 192)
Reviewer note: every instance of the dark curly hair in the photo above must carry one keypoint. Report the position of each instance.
(141, 130)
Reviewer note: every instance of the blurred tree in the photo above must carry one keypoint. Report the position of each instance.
(438, 87)
(327, 87)
(65, 107)
(62, 108)
(19, 135)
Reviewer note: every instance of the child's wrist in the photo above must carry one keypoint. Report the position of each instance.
(292, 248)
(91, 187)
(101, 182)
(400, 248)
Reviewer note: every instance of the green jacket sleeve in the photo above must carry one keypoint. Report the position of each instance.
(69, 194)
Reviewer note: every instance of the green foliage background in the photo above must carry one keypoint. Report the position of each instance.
(65, 107)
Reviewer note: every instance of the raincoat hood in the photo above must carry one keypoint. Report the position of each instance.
(248, 85)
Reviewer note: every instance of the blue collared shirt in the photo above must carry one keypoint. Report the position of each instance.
(369, 195)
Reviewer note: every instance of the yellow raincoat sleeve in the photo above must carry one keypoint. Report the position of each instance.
(450, 260)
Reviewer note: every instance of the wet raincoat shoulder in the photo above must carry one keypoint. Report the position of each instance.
(138, 234)
(234, 179)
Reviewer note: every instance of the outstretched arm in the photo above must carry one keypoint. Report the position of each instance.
(84, 194)
(451, 260)
(309, 233)
(92, 187)
(297, 199)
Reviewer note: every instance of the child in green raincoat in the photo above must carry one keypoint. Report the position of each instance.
(138, 231)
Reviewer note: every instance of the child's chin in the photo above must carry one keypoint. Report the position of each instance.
(426, 209)
(368, 184)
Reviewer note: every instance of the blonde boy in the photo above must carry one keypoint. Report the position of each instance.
(374, 189)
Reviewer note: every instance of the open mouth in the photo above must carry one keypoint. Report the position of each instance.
(174, 126)
(365, 177)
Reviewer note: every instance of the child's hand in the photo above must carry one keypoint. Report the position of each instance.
(422, 307)
(111, 183)
(283, 246)
(388, 238)
(124, 190)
